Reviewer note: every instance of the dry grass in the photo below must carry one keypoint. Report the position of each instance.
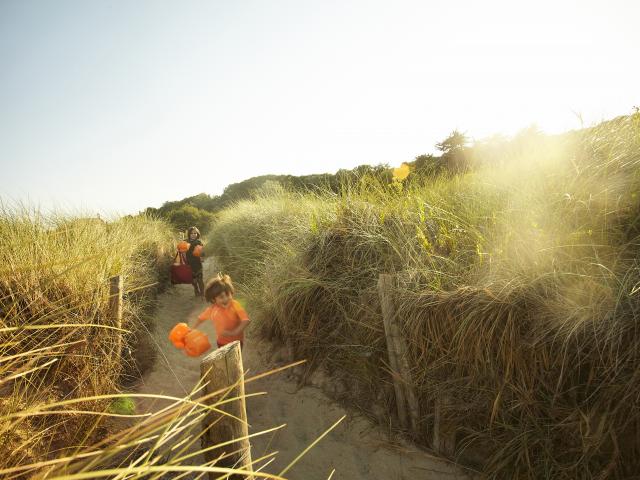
(62, 415)
(56, 338)
(518, 288)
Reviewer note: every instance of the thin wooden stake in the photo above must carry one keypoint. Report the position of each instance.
(115, 310)
(222, 369)
(444, 433)
(398, 356)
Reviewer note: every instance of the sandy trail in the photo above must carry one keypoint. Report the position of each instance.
(356, 449)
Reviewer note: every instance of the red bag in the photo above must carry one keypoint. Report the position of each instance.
(180, 270)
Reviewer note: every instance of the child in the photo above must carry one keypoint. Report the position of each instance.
(227, 315)
(193, 237)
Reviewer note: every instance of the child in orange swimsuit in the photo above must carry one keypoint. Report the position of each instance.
(228, 316)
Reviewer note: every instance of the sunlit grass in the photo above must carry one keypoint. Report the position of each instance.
(517, 285)
(57, 340)
(62, 415)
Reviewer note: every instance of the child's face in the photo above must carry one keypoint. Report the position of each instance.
(193, 235)
(223, 299)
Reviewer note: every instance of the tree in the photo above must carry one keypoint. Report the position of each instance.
(427, 165)
(454, 152)
(456, 141)
(151, 212)
(189, 216)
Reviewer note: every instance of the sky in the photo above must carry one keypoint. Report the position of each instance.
(114, 106)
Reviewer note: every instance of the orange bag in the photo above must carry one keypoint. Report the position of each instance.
(196, 343)
(183, 246)
(178, 333)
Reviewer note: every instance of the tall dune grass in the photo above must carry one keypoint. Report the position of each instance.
(60, 373)
(57, 341)
(518, 291)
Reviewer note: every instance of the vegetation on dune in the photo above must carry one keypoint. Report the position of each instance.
(57, 340)
(186, 216)
(517, 283)
(62, 412)
(200, 209)
(517, 280)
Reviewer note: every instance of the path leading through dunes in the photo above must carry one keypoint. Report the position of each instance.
(356, 449)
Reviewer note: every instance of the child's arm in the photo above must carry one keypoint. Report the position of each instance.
(238, 330)
(197, 323)
(203, 317)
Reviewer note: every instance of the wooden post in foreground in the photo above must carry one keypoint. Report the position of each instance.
(398, 356)
(115, 309)
(221, 369)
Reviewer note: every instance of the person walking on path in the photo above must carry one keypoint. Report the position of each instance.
(194, 259)
(227, 315)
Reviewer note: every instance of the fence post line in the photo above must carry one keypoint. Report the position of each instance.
(398, 356)
(115, 309)
(219, 370)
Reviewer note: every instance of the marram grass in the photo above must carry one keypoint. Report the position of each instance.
(57, 340)
(61, 414)
(517, 285)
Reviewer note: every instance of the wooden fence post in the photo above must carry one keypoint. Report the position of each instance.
(398, 356)
(115, 309)
(221, 369)
(444, 432)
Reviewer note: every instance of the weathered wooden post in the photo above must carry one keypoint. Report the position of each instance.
(444, 431)
(220, 370)
(115, 309)
(398, 356)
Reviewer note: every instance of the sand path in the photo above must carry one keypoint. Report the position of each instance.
(355, 449)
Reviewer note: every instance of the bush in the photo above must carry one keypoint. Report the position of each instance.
(188, 216)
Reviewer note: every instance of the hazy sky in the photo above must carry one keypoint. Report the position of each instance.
(114, 106)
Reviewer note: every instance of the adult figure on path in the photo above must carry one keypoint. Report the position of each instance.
(194, 259)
